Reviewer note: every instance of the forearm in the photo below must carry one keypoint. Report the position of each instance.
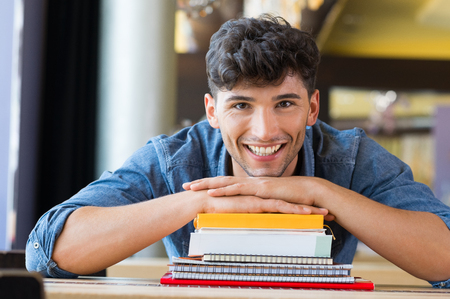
(94, 238)
(417, 242)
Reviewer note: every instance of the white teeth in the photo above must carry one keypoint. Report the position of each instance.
(264, 151)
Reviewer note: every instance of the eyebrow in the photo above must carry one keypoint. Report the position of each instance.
(251, 99)
(240, 98)
(287, 96)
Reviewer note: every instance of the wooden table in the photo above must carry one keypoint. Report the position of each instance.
(97, 288)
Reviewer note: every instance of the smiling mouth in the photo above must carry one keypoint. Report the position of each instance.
(264, 151)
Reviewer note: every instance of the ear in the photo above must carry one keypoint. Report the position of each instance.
(210, 107)
(314, 106)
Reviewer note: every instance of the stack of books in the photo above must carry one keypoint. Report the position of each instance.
(261, 250)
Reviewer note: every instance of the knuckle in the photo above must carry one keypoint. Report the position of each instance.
(279, 204)
(239, 185)
(265, 182)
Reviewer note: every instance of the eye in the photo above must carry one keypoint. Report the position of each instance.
(241, 106)
(284, 104)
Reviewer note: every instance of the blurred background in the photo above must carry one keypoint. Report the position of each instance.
(84, 83)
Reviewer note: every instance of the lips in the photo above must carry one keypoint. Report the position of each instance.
(264, 151)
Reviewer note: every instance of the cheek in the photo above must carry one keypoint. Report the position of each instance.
(234, 123)
(233, 128)
(293, 126)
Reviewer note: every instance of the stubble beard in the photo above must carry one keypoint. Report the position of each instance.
(266, 170)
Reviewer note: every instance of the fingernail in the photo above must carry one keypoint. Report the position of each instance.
(307, 210)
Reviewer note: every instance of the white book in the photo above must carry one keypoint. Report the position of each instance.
(316, 245)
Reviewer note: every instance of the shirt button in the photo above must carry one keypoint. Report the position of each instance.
(442, 284)
(36, 245)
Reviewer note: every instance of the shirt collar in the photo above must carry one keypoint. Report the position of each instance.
(306, 155)
(224, 166)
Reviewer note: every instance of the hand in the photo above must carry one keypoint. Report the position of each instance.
(247, 204)
(296, 190)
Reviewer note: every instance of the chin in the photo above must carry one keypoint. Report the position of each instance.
(263, 173)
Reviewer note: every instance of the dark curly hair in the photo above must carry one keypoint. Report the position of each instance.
(260, 52)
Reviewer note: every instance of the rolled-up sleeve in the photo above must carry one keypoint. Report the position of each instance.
(41, 241)
(132, 183)
(441, 284)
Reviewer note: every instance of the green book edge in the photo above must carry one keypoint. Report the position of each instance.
(323, 246)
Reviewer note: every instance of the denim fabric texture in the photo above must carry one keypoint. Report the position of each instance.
(347, 158)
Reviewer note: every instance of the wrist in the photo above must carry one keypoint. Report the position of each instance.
(321, 192)
(199, 200)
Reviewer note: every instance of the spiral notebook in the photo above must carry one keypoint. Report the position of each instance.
(356, 284)
(265, 259)
(196, 266)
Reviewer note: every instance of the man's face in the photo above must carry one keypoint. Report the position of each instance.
(263, 128)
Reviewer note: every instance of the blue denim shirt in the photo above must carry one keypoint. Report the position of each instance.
(347, 158)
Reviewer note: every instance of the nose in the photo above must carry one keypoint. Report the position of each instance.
(264, 125)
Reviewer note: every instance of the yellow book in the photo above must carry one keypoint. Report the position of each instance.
(258, 220)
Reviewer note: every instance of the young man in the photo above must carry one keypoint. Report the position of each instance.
(261, 150)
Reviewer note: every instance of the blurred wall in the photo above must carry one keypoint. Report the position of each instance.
(6, 46)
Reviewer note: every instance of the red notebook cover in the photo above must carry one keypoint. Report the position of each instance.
(359, 284)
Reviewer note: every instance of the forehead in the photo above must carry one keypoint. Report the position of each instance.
(290, 84)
